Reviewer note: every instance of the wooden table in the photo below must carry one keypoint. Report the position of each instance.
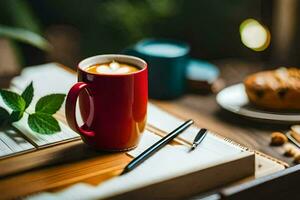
(203, 109)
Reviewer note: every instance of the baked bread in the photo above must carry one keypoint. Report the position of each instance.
(274, 89)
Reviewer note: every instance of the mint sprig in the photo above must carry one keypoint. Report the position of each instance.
(4, 117)
(41, 121)
(15, 116)
(27, 94)
(50, 104)
(13, 100)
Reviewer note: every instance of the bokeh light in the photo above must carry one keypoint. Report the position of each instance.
(254, 35)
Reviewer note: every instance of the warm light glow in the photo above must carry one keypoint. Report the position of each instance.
(254, 35)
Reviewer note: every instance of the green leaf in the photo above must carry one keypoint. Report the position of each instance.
(50, 104)
(25, 36)
(43, 123)
(4, 116)
(28, 94)
(15, 116)
(13, 100)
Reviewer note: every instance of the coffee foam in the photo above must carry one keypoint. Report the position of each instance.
(112, 68)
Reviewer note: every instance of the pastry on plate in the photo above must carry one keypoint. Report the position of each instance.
(274, 89)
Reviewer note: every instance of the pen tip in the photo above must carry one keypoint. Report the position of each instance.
(123, 172)
(193, 146)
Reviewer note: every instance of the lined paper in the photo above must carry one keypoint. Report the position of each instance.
(12, 142)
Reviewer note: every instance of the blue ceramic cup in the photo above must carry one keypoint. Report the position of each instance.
(167, 60)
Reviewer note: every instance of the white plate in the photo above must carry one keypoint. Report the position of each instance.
(234, 99)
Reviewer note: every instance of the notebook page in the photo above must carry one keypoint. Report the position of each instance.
(166, 122)
(147, 139)
(207, 146)
(47, 79)
(50, 78)
(170, 161)
(12, 142)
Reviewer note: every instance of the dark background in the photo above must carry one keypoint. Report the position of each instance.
(79, 29)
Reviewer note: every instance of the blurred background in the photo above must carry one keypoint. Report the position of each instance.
(34, 32)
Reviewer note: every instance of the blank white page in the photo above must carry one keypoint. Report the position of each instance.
(147, 139)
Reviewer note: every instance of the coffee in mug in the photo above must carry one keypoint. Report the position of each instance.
(112, 68)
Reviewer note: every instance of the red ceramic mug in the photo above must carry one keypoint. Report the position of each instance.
(113, 106)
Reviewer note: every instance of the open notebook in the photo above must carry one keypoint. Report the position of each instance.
(172, 172)
(165, 166)
(48, 78)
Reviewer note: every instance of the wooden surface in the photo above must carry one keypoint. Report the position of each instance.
(78, 163)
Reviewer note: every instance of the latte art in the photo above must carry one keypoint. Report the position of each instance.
(112, 68)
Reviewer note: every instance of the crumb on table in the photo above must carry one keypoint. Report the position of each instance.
(278, 138)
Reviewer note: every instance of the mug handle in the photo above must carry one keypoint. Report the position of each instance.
(71, 110)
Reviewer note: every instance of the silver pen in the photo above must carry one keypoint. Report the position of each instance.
(199, 137)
